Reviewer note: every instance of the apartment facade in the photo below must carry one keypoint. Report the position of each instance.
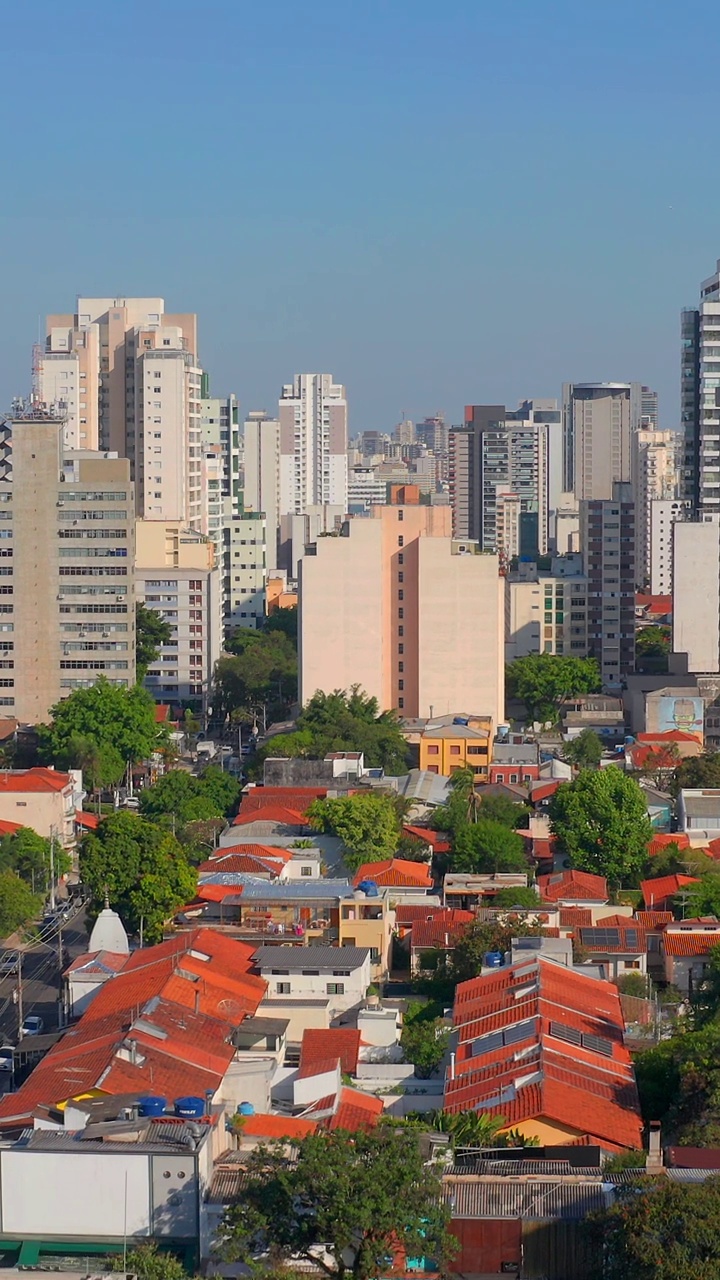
(136, 385)
(664, 514)
(546, 613)
(499, 472)
(654, 479)
(608, 544)
(598, 419)
(176, 575)
(220, 427)
(244, 567)
(313, 416)
(67, 540)
(416, 619)
(446, 748)
(696, 593)
(699, 399)
(261, 451)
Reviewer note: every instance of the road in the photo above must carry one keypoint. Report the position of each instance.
(41, 980)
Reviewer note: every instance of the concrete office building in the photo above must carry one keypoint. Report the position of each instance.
(501, 452)
(663, 515)
(262, 476)
(398, 606)
(598, 422)
(313, 419)
(176, 574)
(138, 382)
(67, 542)
(244, 567)
(700, 399)
(607, 537)
(696, 593)
(654, 478)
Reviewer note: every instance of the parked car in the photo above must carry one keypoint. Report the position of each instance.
(130, 802)
(9, 964)
(6, 1057)
(33, 1025)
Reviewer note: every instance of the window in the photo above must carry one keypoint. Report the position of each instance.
(335, 988)
(401, 594)
(401, 684)
(401, 541)
(433, 750)
(306, 871)
(401, 558)
(401, 577)
(401, 514)
(401, 613)
(282, 988)
(454, 751)
(401, 632)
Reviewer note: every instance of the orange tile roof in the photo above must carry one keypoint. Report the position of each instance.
(323, 1066)
(570, 916)
(542, 790)
(396, 872)
(162, 713)
(662, 840)
(218, 892)
(668, 735)
(9, 828)
(654, 604)
(436, 839)
(653, 919)
(35, 780)
(275, 1126)
(442, 931)
(573, 885)
(689, 944)
(356, 1111)
(88, 820)
(297, 798)
(664, 888)
(319, 1043)
(252, 850)
(270, 813)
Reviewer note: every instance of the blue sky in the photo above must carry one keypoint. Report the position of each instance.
(437, 203)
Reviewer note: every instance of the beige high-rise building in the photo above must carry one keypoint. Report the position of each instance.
(654, 478)
(177, 575)
(598, 422)
(413, 616)
(262, 476)
(126, 377)
(66, 558)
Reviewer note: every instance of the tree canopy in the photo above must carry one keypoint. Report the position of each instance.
(113, 718)
(652, 646)
(367, 824)
(344, 721)
(425, 1036)
(666, 1231)
(18, 903)
(151, 633)
(142, 868)
(285, 620)
(261, 668)
(367, 1199)
(466, 959)
(585, 750)
(510, 813)
(543, 680)
(601, 823)
(697, 772)
(486, 846)
(28, 854)
(189, 798)
(148, 1263)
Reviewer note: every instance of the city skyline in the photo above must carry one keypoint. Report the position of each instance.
(400, 257)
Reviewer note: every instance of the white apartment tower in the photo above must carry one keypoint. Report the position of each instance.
(262, 476)
(654, 479)
(128, 376)
(313, 420)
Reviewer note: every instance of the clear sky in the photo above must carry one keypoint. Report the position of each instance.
(438, 203)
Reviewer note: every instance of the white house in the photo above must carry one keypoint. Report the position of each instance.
(339, 974)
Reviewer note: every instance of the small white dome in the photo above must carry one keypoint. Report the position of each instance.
(109, 934)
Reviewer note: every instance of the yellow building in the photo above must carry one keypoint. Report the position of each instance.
(369, 922)
(458, 746)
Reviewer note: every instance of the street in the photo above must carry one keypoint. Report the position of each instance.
(40, 981)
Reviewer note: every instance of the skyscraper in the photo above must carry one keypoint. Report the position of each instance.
(607, 540)
(313, 443)
(262, 476)
(131, 380)
(599, 419)
(700, 399)
(649, 409)
(654, 478)
(499, 477)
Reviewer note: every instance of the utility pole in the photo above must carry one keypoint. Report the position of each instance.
(52, 868)
(19, 994)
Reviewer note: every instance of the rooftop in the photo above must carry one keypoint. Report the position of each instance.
(35, 780)
(301, 959)
(573, 885)
(396, 872)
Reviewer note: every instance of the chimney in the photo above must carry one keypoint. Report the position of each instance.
(654, 1162)
(132, 1049)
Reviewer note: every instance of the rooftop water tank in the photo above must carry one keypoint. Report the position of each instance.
(493, 959)
(152, 1106)
(460, 720)
(190, 1108)
(369, 888)
(246, 1109)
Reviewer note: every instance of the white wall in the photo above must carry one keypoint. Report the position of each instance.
(308, 986)
(62, 1194)
(696, 593)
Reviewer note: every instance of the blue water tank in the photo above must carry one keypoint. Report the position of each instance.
(493, 959)
(369, 888)
(460, 720)
(190, 1108)
(246, 1109)
(152, 1106)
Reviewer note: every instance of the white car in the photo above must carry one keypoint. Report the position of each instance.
(6, 1057)
(33, 1026)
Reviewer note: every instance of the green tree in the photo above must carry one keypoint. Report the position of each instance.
(633, 984)
(18, 903)
(503, 809)
(527, 898)
(343, 1195)
(262, 668)
(486, 846)
(221, 788)
(706, 996)
(669, 861)
(652, 646)
(28, 854)
(148, 1263)
(467, 958)
(284, 620)
(101, 763)
(697, 772)
(543, 681)
(424, 1038)
(366, 823)
(151, 633)
(142, 868)
(344, 721)
(212, 794)
(702, 899)
(601, 823)
(108, 714)
(585, 751)
(666, 1231)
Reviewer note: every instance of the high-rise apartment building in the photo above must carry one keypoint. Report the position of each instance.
(607, 538)
(599, 419)
(176, 574)
(313, 420)
(66, 565)
(700, 399)
(499, 454)
(654, 478)
(696, 593)
(244, 567)
(399, 606)
(546, 612)
(220, 427)
(649, 417)
(136, 384)
(664, 514)
(262, 476)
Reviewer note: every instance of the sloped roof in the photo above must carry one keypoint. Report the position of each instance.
(573, 916)
(653, 919)
(395, 872)
(297, 798)
(35, 780)
(88, 820)
(689, 944)
(436, 839)
(662, 840)
(320, 1043)
(277, 1126)
(664, 888)
(271, 813)
(543, 790)
(573, 885)
(443, 930)
(356, 1111)
(9, 828)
